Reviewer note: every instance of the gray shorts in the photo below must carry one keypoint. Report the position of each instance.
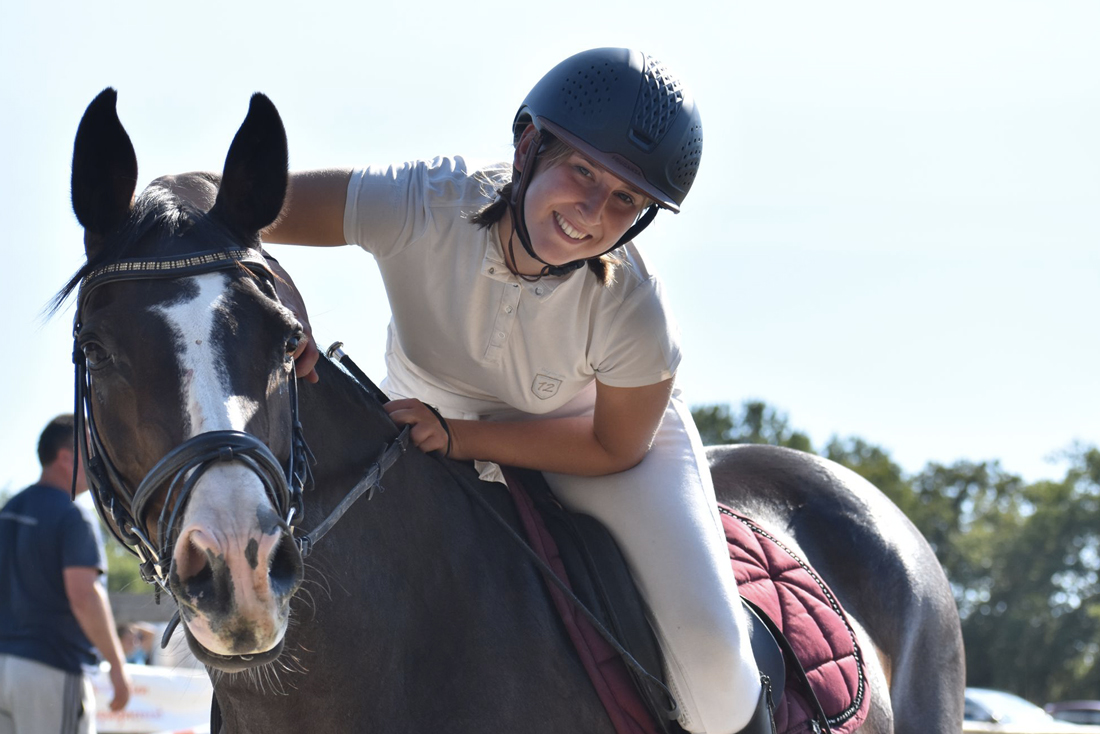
(39, 698)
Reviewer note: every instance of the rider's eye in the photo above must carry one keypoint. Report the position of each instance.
(95, 355)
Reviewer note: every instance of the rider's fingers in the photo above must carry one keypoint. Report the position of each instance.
(400, 404)
(427, 432)
(306, 354)
(405, 413)
(425, 435)
(305, 359)
(427, 439)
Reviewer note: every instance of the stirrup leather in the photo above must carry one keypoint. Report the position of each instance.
(763, 718)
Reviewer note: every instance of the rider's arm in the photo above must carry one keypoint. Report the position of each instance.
(615, 438)
(313, 213)
(92, 610)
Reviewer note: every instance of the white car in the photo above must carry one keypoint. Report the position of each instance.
(999, 711)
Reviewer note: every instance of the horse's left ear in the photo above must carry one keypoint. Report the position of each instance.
(104, 169)
(254, 181)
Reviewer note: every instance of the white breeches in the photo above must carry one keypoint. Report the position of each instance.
(663, 514)
(664, 517)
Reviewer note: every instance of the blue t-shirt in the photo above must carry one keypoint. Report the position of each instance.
(43, 532)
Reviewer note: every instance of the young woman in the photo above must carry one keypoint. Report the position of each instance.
(523, 311)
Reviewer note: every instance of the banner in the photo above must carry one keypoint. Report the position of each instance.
(163, 700)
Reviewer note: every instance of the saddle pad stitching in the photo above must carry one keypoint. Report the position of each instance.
(853, 709)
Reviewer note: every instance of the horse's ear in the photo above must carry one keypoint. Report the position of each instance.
(104, 169)
(254, 181)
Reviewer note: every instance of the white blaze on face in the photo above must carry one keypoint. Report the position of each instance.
(228, 498)
(207, 402)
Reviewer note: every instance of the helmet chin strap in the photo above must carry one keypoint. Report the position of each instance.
(519, 223)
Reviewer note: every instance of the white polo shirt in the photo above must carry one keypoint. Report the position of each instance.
(470, 337)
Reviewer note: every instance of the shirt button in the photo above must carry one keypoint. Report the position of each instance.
(507, 309)
(538, 291)
(500, 335)
(492, 270)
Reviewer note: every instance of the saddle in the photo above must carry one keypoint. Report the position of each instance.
(800, 635)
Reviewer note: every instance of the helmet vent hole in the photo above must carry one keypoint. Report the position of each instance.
(691, 152)
(586, 92)
(658, 103)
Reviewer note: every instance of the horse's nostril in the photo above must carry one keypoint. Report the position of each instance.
(285, 570)
(191, 554)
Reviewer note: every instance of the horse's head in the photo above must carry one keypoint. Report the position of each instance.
(187, 382)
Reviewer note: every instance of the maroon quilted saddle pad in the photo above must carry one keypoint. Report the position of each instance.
(800, 603)
(775, 580)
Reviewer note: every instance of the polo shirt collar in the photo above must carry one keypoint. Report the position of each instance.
(493, 266)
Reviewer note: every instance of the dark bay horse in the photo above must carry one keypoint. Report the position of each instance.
(416, 612)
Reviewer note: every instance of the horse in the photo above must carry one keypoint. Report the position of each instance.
(415, 612)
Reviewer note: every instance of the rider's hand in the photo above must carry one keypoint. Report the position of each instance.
(306, 355)
(428, 433)
(120, 681)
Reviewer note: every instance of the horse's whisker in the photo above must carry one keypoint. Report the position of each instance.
(308, 601)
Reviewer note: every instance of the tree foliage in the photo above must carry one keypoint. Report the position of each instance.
(123, 572)
(1023, 558)
(754, 423)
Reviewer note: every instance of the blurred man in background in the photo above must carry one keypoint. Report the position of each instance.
(54, 611)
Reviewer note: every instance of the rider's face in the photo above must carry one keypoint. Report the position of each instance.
(574, 210)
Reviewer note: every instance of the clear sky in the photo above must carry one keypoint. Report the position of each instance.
(894, 232)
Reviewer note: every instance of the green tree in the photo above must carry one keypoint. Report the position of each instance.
(756, 422)
(1032, 620)
(123, 569)
(964, 509)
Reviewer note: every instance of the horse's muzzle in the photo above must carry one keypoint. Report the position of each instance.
(234, 589)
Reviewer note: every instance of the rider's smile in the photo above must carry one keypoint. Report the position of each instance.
(575, 210)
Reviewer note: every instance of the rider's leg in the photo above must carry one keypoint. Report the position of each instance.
(663, 515)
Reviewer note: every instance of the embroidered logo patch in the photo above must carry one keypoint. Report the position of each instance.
(545, 387)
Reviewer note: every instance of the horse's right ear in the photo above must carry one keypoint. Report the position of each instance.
(104, 170)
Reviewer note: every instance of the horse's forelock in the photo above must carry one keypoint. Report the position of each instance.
(159, 214)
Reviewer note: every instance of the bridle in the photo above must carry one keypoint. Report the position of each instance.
(180, 469)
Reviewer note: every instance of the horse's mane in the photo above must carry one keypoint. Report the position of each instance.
(158, 214)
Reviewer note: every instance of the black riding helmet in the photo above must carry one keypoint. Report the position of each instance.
(627, 113)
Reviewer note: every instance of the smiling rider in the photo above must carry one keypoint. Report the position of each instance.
(523, 309)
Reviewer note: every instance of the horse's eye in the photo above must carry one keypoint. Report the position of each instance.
(95, 355)
(292, 343)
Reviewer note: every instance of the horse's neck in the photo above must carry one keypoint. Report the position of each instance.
(420, 504)
(345, 427)
(420, 573)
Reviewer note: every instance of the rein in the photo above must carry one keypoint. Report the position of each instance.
(181, 468)
(373, 479)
